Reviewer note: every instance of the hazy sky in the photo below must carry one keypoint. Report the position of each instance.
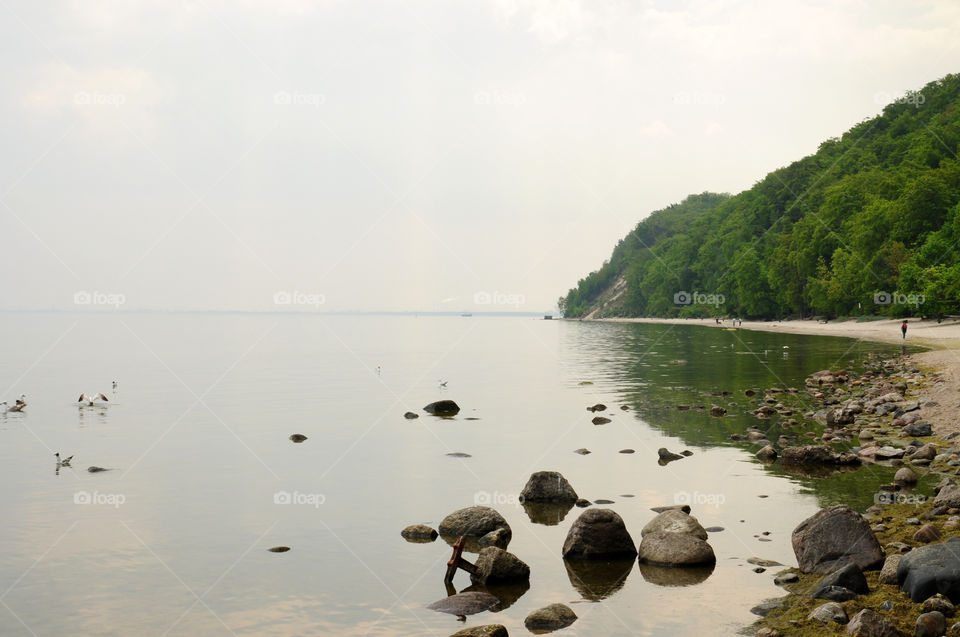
(404, 155)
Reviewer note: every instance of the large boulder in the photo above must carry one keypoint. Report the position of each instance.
(834, 537)
(475, 522)
(931, 569)
(469, 603)
(817, 454)
(675, 549)
(443, 408)
(675, 521)
(496, 566)
(550, 618)
(548, 486)
(598, 534)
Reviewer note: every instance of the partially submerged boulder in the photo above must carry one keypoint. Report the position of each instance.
(675, 521)
(475, 522)
(834, 537)
(817, 454)
(419, 533)
(598, 534)
(469, 603)
(548, 486)
(675, 549)
(496, 566)
(443, 408)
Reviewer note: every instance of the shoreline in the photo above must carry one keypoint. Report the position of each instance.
(942, 341)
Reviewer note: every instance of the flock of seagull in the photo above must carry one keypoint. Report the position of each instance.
(85, 400)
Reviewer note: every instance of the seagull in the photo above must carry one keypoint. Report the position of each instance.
(18, 407)
(114, 385)
(89, 400)
(63, 462)
(443, 383)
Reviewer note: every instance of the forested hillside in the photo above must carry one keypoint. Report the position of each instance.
(869, 225)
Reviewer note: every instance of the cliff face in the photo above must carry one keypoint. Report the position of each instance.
(870, 224)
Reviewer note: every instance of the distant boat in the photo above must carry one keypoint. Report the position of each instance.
(548, 317)
(468, 314)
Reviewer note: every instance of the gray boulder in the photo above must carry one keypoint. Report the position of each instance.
(598, 534)
(834, 537)
(919, 429)
(949, 496)
(871, 624)
(548, 486)
(888, 574)
(496, 566)
(675, 549)
(675, 521)
(550, 618)
(931, 569)
(829, 612)
(475, 522)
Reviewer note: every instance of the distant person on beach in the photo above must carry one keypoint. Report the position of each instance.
(903, 329)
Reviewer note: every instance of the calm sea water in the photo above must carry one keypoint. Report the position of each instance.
(173, 539)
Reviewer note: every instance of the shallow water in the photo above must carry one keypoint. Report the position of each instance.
(174, 538)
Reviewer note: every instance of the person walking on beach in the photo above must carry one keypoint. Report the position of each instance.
(903, 329)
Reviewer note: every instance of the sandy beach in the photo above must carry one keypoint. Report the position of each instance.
(943, 339)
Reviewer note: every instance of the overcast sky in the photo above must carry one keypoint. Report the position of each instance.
(404, 155)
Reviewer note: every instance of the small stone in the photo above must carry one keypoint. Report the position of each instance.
(626, 451)
(279, 549)
(926, 533)
(600, 420)
(582, 451)
(872, 624)
(488, 630)
(938, 603)
(829, 612)
(932, 624)
(410, 415)
(888, 574)
(419, 533)
(550, 618)
(297, 437)
(786, 578)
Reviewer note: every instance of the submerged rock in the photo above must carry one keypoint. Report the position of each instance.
(487, 630)
(96, 469)
(667, 455)
(298, 437)
(598, 534)
(411, 416)
(600, 420)
(443, 408)
(548, 486)
(279, 549)
(469, 603)
(834, 537)
(817, 454)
